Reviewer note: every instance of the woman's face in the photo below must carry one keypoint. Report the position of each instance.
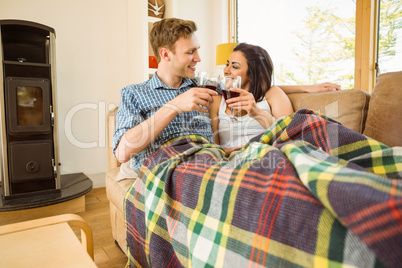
(237, 66)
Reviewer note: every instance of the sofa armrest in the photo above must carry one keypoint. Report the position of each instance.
(111, 126)
(348, 107)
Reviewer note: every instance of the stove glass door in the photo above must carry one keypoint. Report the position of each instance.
(29, 106)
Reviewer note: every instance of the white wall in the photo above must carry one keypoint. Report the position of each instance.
(211, 19)
(99, 48)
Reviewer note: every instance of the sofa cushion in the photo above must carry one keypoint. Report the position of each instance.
(384, 120)
(127, 171)
(116, 190)
(348, 107)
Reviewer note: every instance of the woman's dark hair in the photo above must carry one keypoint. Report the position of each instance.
(260, 69)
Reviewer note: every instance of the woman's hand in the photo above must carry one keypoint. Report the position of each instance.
(323, 87)
(228, 151)
(327, 86)
(245, 102)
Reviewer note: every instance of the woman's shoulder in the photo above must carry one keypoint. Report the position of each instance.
(274, 91)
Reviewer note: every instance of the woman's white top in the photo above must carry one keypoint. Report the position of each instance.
(233, 134)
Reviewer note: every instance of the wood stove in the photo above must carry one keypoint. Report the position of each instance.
(29, 148)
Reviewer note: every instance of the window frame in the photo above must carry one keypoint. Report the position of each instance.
(366, 44)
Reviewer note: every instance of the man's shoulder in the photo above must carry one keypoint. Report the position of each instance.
(135, 88)
(139, 86)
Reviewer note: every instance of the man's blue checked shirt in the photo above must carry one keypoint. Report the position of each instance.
(140, 101)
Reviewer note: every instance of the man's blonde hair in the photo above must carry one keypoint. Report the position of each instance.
(166, 32)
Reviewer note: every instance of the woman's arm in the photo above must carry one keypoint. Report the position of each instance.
(279, 102)
(310, 88)
(213, 114)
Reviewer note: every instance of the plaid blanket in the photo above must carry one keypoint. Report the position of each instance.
(306, 193)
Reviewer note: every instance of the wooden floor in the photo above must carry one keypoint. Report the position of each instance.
(107, 254)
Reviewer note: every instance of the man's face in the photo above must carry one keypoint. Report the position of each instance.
(186, 56)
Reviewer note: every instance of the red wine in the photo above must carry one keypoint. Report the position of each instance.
(208, 86)
(227, 94)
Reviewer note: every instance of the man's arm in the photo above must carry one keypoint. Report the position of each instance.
(142, 135)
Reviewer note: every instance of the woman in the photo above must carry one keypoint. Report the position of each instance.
(259, 105)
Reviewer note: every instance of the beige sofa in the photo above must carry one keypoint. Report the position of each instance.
(378, 116)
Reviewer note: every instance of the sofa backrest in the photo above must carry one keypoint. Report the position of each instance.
(348, 107)
(378, 116)
(384, 118)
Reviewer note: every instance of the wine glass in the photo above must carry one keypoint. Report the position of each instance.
(208, 80)
(228, 83)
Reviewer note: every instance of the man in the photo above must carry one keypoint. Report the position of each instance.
(163, 107)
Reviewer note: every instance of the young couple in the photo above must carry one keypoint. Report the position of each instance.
(164, 107)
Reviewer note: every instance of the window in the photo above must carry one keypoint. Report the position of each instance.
(390, 36)
(317, 41)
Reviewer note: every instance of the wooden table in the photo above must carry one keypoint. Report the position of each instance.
(46, 242)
